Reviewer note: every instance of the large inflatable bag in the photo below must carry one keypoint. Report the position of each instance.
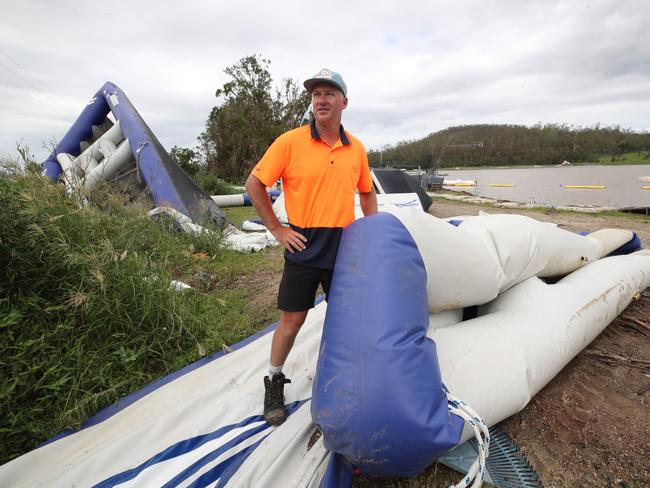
(377, 394)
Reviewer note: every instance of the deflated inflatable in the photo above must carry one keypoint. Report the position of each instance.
(378, 392)
(370, 398)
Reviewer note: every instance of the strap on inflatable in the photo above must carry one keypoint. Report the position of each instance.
(482, 434)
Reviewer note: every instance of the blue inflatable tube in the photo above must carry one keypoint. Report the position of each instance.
(378, 396)
(634, 244)
(631, 246)
(273, 195)
(81, 130)
(168, 184)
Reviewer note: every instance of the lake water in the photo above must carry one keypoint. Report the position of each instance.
(545, 185)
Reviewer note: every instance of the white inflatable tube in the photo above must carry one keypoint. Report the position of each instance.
(106, 149)
(110, 167)
(497, 362)
(488, 254)
(232, 238)
(68, 167)
(99, 149)
(101, 129)
(229, 200)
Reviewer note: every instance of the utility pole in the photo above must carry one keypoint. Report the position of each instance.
(381, 155)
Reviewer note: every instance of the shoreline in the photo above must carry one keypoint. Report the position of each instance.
(540, 166)
(463, 197)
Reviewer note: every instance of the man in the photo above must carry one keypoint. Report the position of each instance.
(321, 166)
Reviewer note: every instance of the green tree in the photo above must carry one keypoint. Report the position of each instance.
(187, 159)
(485, 145)
(250, 116)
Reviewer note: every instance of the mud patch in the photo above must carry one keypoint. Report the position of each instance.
(263, 287)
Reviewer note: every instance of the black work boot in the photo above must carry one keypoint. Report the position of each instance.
(274, 412)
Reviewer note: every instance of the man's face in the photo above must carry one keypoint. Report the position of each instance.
(327, 103)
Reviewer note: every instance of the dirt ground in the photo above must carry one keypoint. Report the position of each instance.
(590, 426)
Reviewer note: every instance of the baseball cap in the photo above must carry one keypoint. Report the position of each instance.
(326, 76)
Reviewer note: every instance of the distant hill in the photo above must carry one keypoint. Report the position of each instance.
(496, 145)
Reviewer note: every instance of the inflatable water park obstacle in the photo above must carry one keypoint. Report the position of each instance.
(389, 371)
(95, 150)
(123, 151)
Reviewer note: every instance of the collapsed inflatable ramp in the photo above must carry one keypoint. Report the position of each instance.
(96, 149)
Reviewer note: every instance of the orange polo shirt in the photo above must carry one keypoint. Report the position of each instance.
(319, 183)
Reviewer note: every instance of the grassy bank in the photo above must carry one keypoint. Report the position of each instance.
(86, 312)
(641, 157)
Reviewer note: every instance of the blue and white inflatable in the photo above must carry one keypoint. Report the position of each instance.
(370, 398)
(400, 285)
(123, 151)
(95, 150)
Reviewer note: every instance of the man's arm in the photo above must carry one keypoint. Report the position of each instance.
(288, 237)
(368, 202)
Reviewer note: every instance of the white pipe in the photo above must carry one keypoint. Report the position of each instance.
(110, 167)
(104, 146)
(114, 135)
(229, 200)
(68, 166)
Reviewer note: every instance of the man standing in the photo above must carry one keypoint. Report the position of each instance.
(321, 166)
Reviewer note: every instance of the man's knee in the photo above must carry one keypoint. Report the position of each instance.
(292, 321)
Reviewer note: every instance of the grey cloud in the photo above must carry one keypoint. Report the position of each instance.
(412, 68)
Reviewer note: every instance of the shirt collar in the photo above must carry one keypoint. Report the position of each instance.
(315, 135)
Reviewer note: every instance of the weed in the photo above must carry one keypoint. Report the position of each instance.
(86, 312)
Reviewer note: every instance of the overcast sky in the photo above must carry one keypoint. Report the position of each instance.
(412, 68)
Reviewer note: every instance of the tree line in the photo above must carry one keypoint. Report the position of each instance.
(251, 111)
(494, 145)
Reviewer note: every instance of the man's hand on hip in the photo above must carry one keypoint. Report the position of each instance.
(289, 238)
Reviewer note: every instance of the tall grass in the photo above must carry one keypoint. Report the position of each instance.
(86, 312)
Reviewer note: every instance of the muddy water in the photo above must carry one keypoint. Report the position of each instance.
(546, 185)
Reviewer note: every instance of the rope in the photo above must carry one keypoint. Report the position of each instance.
(475, 475)
(137, 158)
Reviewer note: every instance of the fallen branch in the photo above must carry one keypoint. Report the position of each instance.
(639, 323)
(636, 325)
(615, 359)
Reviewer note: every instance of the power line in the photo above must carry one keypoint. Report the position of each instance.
(27, 82)
(53, 102)
(28, 72)
(14, 85)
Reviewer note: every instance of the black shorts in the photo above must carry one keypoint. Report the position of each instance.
(299, 285)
